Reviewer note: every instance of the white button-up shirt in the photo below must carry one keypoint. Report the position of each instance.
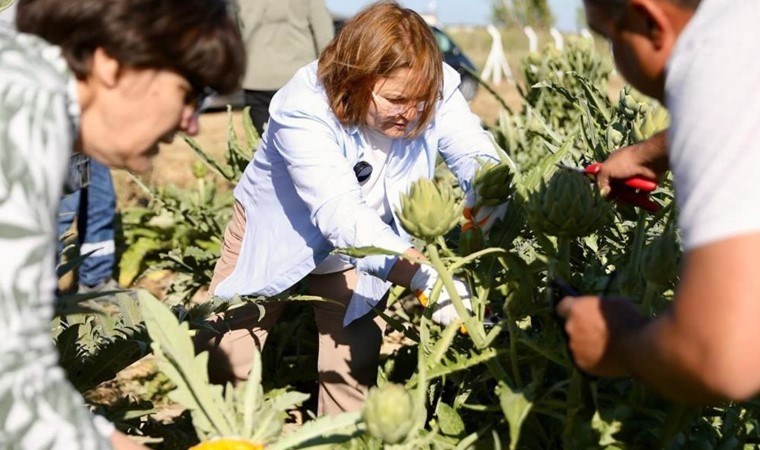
(302, 199)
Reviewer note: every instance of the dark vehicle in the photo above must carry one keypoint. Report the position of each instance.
(452, 55)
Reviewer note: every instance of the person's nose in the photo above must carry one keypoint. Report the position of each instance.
(409, 113)
(189, 123)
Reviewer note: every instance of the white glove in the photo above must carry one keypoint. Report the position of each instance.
(479, 215)
(444, 312)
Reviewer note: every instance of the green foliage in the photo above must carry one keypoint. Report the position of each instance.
(503, 382)
(181, 230)
(98, 341)
(536, 13)
(243, 412)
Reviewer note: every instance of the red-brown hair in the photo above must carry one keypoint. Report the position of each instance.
(378, 40)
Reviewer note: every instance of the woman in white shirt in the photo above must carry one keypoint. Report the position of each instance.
(347, 135)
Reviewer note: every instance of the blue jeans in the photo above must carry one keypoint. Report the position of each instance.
(95, 207)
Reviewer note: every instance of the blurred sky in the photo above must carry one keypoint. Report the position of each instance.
(476, 12)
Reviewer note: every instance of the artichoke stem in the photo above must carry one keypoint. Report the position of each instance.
(512, 329)
(474, 329)
(650, 293)
(638, 244)
(563, 257)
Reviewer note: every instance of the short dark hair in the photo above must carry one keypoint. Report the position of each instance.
(198, 39)
(379, 39)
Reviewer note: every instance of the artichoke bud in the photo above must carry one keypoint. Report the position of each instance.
(492, 183)
(389, 413)
(628, 105)
(614, 137)
(471, 240)
(566, 205)
(428, 211)
(638, 134)
(199, 170)
(655, 121)
(659, 263)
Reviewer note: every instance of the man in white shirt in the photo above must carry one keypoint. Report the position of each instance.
(700, 60)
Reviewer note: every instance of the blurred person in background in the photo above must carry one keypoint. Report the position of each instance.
(348, 134)
(699, 58)
(94, 208)
(111, 79)
(280, 36)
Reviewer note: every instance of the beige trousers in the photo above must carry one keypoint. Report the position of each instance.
(348, 356)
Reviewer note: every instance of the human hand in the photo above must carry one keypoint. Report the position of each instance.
(120, 441)
(480, 215)
(444, 312)
(596, 330)
(648, 159)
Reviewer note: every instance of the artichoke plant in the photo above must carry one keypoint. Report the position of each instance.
(389, 413)
(659, 264)
(654, 121)
(566, 206)
(428, 211)
(492, 183)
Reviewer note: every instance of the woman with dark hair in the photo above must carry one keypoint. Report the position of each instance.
(347, 135)
(111, 79)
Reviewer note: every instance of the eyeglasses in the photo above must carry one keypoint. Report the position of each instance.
(362, 170)
(198, 99)
(397, 107)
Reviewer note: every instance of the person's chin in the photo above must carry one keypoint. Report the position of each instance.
(143, 162)
(139, 165)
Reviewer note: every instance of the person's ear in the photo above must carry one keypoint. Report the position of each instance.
(104, 69)
(652, 21)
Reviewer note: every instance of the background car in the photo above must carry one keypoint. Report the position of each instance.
(455, 57)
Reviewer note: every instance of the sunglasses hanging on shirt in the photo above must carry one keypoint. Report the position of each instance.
(362, 170)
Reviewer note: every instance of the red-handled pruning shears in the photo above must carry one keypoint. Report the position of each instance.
(634, 190)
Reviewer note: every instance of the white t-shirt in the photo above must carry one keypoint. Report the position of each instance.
(712, 92)
(377, 150)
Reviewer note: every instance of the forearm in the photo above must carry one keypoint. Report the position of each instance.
(656, 355)
(702, 348)
(654, 152)
(402, 272)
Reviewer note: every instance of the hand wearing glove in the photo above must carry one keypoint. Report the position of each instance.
(444, 312)
(480, 215)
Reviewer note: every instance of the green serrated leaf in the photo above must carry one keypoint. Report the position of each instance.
(606, 430)
(449, 420)
(322, 430)
(461, 362)
(132, 260)
(253, 395)
(515, 407)
(174, 350)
